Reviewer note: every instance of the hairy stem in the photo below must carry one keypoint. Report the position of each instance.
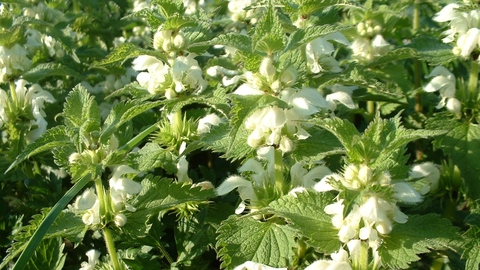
(473, 81)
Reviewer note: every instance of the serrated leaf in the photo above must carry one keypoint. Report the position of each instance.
(126, 51)
(152, 155)
(169, 8)
(306, 215)
(269, 35)
(432, 50)
(160, 195)
(310, 6)
(406, 241)
(320, 144)
(122, 113)
(247, 239)
(44, 70)
(381, 146)
(52, 138)
(49, 255)
(458, 143)
(177, 21)
(238, 41)
(11, 36)
(472, 247)
(305, 35)
(394, 55)
(80, 109)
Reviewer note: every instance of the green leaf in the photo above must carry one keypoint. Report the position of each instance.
(406, 241)
(44, 70)
(238, 41)
(320, 144)
(305, 35)
(122, 113)
(394, 55)
(126, 51)
(81, 110)
(11, 36)
(49, 255)
(247, 239)
(310, 6)
(305, 214)
(432, 50)
(269, 35)
(472, 240)
(169, 8)
(52, 138)
(458, 143)
(178, 21)
(159, 195)
(151, 156)
(382, 145)
(30, 247)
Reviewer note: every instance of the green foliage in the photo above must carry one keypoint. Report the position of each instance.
(81, 111)
(431, 50)
(305, 35)
(124, 52)
(306, 215)
(43, 71)
(407, 241)
(381, 146)
(269, 36)
(243, 239)
(49, 255)
(458, 141)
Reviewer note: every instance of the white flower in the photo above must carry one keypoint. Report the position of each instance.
(13, 62)
(430, 172)
(266, 126)
(367, 50)
(444, 82)
(301, 177)
(249, 265)
(182, 170)
(93, 256)
(460, 21)
(86, 200)
(243, 186)
(319, 53)
(155, 75)
(467, 42)
(187, 75)
(339, 261)
(406, 193)
(206, 122)
(237, 9)
(122, 188)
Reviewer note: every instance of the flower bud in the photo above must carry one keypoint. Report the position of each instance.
(120, 220)
(267, 69)
(180, 41)
(74, 158)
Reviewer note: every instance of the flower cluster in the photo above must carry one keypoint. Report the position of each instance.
(444, 82)
(370, 44)
(463, 28)
(181, 75)
(374, 210)
(261, 185)
(121, 190)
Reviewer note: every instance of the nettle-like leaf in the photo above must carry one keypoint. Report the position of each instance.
(45, 70)
(81, 110)
(123, 112)
(305, 35)
(268, 36)
(124, 52)
(320, 144)
(158, 196)
(52, 138)
(305, 213)
(49, 255)
(432, 50)
(242, 239)
(381, 146)
(458, 143)
(394, 55)
(238, 41)
(406, 241)
(151, 156)
(471, 250)
(66, 225)
(11, 36)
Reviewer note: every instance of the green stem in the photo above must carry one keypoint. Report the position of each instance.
(279, 181)
(417, 76)
(165, 253)
(364, 256)
(133, 142)
(107, 234)
(473, 81)
(101, 196)
(371, 109)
